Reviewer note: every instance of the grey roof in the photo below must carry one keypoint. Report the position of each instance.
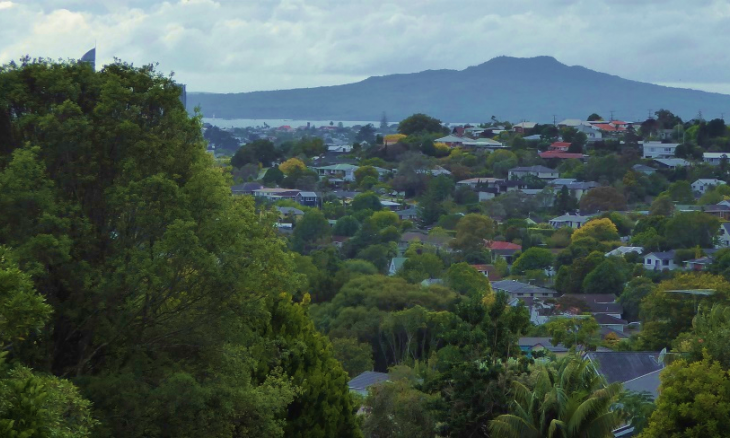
(365, 380)
(562, 181)
(516, 287)
(643, 168)
(531, 342)
(533, 169)
(663, 255)
(602, 318)
(647, 383)
(308, 194)
(672, 162)
(533, 137)
(290, 210)
(599, 303)
(343, 194)
(407, 212)
(571, 217)
(726, 227)
(452, 139)
(622, 366)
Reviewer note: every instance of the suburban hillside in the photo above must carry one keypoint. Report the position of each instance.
(511, 88)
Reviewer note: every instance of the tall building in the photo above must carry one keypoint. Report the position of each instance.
(90, 57)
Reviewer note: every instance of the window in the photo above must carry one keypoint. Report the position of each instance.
(648, 262)
(665, 262)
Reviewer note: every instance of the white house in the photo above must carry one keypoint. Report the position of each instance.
(723, 239)
(541, 172)
(660, 261)
(623, 250)
(655, 149)
(702, 185)
(715, 158)
(344, 171)
(569, 220)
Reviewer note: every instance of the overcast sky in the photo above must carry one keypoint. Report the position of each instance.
(248, 45)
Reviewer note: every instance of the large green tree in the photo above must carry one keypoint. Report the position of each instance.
(171, 299)
(421, 123)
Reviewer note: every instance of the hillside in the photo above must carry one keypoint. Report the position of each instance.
(510, 88)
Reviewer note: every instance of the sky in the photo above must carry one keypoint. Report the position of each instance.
(250, 45)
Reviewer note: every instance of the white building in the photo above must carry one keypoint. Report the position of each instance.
(569, 220)
(715, 158)
(655, 149)
(660, 261)
(702, 185)
(541, 172)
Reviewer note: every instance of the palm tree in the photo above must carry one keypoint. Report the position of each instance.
(569, 401)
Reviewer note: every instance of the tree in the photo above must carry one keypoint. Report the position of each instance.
(594, 117)
(399, 410)
(291, 165)
(346, 226)
(602, 199)
(578, 143)
(471, 232)
(565, 201)
(421, 123)
(384, 123)
(607, 278)
(467, 281)
(631, 297)
(258, 151)
(572, 401)
(366, 133)
(273, 176)
(312, 227)
(688, 230)
(366, 171)
(708, 336)
(366, 201)
(501, 161)
(662, 206)
(531, 259)
(354, 356)
(664, 315)
(694, 401)
(681, 191)
(172, 300)
(600, 229)
(579, 332)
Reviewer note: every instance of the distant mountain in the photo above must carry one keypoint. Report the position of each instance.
(515, 89)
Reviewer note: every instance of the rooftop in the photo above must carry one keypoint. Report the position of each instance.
(365, 380)
(516, 287)
(623, 366)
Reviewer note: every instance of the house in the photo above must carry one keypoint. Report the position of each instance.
(561, 155)
(598, 304)
(541, 172)
(408, 214)
(523, 127)
(655, 149)
(435, 171)
(289, 211)
(344, 171)
(572, 123)
(703, 185)
(451, 140)
(365, 380)
(660, 261)
(308, 199)
(646, 170)
(390, 205)
(506, 250)
(275, 193)
(560, 146)
(475, 182)
(569, 220)
(720, 210)
(699, 264)
(610, 322)
(671, 163)
(576, 188)
(715, 158)
(623, 250)
(518, 289)
(625, 366)
(395, 264)
(724, 235)
(488, 271)
(482, 144)
(592, 135)
(246, 188)
(538, 344)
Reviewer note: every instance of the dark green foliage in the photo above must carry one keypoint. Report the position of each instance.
(421, 123)
(346, 226)
(171, 299)
(366, 201)
(257, 152)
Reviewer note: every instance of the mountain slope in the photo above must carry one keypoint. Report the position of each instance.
(513, 89)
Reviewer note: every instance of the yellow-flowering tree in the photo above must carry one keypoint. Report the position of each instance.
(291, 165)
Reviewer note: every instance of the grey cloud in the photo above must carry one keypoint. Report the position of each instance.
(229, 45)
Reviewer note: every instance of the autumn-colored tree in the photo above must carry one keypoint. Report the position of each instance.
(291, 165)
(600, 229)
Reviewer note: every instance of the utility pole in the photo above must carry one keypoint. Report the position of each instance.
(554, 121)
(611, 119)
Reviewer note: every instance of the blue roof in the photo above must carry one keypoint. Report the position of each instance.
(365, 380)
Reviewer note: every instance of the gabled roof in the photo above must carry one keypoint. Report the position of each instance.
(602, 318)
(516, 287)
(662, 255)
(571, 217)
(365, 380)
(451, 139)
(623, 366)
(708, 181)
(673, 162)
(532, 342)
(308, 194)
(647, 383)
(561, 155)
(499, 245)
(716, 155)
(533, 169)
